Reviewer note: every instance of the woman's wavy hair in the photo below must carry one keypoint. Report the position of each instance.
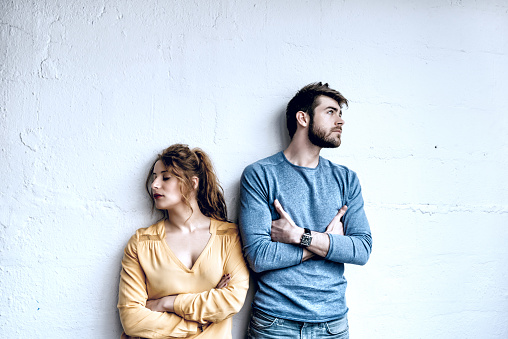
(184, 164)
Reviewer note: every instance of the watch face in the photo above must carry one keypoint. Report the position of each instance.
(306, 239)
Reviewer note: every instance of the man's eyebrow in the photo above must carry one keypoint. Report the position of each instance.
(334, 108)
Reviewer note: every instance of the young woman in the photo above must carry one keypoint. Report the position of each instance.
(184, 276)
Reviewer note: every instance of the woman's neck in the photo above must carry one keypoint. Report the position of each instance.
(184, 219)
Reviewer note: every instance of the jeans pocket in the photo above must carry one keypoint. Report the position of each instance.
(339, 327)
(261, 321)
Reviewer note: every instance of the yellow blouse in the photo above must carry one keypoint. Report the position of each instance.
(150, 270)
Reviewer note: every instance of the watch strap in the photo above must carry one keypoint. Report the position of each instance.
(306, 238)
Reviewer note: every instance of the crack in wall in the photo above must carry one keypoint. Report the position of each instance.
(11, 27)
(25, 144)
(431, 209)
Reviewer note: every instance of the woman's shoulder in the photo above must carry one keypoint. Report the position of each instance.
(225, 228)
(153, 232)
(143, 236)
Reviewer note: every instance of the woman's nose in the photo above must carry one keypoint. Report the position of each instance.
(155, 184)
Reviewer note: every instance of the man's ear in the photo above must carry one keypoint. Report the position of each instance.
(302, 118)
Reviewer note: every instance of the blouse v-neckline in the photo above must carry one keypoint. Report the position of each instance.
(205, 249)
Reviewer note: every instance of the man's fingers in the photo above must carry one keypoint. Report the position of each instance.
(339, 214)
(342, 211)
(284, 216)
(336, 221)
(279, 208)
(329, 228)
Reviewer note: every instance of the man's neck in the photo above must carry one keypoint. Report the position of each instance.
(301, 152)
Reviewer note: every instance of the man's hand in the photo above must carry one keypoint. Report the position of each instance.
(284, 229)
(336, 226)
(320, 241)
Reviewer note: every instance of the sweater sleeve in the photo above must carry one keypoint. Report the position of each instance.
(219, 304)
(256, 224)
(355, 245)
(137, 320)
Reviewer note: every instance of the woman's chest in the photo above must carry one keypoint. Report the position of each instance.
(187, 248)
(165, 274)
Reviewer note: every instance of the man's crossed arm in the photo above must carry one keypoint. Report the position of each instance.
(285, 230)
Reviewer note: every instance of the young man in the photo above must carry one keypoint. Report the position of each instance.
(301, 220)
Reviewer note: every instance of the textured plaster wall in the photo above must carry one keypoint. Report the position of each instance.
(91, 90)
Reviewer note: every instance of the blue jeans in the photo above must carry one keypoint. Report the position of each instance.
(264, 326)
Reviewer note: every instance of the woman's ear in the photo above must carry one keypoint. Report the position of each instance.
(195, 183)
(302, 118)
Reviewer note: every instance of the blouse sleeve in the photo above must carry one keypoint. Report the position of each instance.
(137, 320)
(219, 304)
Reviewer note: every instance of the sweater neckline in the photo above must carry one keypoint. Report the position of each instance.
(301, 167)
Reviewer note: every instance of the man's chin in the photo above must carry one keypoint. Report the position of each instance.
(324, 142)
(327, 144)
(332, 145)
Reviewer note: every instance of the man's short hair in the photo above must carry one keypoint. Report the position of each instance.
(305, 100)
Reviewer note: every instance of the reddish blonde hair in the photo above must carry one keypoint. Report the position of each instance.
(184, 164)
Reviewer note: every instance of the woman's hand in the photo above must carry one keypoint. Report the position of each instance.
(224, 281)
(164, 304)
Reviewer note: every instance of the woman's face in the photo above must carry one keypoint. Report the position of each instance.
(165, 188)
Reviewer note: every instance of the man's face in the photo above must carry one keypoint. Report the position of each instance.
(325, 127)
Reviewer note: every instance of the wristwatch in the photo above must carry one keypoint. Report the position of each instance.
(306, 238)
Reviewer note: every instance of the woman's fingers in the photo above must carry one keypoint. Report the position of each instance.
(224, 281)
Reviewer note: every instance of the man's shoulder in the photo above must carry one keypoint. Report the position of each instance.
(334, 166)
(337, 169)
(273, 160)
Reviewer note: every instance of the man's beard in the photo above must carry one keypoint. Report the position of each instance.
(317, 136)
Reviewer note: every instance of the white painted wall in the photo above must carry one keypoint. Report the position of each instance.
(92, 90)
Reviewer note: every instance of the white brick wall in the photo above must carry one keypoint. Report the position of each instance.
(92, 90)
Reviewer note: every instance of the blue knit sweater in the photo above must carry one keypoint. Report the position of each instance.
(313, 290)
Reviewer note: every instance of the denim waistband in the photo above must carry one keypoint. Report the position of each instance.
(293, 323)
